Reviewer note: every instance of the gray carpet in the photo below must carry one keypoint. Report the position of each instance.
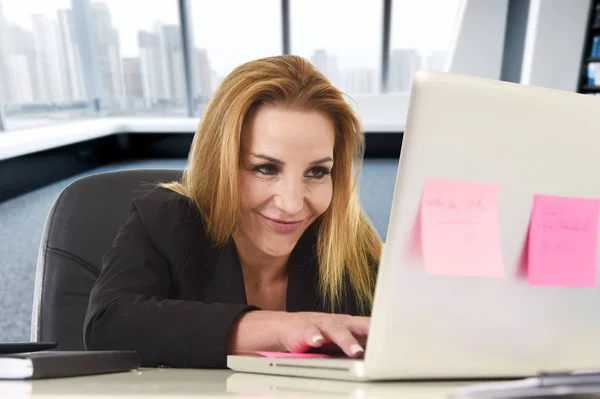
(22, 220)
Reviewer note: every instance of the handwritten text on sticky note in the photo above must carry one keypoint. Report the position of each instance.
(563, 242)
(459, 229)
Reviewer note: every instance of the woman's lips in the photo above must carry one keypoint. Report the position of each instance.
(282, 226)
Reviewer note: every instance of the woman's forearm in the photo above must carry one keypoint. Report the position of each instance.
(256, 330)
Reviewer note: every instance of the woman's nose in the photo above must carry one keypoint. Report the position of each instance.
(290, 196)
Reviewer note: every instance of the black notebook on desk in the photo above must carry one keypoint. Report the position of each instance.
(7, 348)
(54, 364)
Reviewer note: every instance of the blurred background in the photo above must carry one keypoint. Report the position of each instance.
(69, 59)
(88, 86)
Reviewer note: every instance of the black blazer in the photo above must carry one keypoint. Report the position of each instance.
(168, 293)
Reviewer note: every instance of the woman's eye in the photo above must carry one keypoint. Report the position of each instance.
(318, 172)
(268, 170)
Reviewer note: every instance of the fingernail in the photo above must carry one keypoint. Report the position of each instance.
(317, 338)
(356, 349)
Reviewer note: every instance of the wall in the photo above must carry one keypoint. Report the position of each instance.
(479, 39)
(554, 43)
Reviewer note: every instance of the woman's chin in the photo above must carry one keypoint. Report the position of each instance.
(278, 248)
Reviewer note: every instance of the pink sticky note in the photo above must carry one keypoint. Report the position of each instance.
(563, 242)
(283, 355)
(459, 229)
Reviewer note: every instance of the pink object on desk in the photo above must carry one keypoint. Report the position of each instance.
(563, 242)
(459, 229)
(283, 355)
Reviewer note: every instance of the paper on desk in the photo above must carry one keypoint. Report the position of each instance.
(563, 242)
(283, 355)
(575, 383)
(459, 229)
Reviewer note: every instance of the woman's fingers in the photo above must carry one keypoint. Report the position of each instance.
(358, 325)
(303, 332)
(338, 333)
(313, 336)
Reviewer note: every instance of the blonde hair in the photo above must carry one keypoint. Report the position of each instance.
(347, 244)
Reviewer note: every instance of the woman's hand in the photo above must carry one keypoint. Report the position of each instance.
(299, 332)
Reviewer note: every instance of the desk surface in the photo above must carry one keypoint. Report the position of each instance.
(181, 383)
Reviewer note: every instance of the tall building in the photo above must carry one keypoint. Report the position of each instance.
(49, 66)
(403, 65)
(437, 60)
(359, 81)
(161, 65)
(154, 86)
(19, 69)
(320, 59)
(161, 61)
(215, 79)
(5, 93)
(133, 82)
(328, 66)
(71, 58)
(109, 55)
(87, 49)
(172, 56)
(22, 45)
(20, 79)
(203, 81)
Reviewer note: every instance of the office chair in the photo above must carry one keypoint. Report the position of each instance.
(81, 225)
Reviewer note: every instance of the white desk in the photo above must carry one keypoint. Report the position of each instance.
(180, 383)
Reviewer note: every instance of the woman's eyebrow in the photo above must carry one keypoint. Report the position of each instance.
(322, 160)
(268, 158)
(279, 162)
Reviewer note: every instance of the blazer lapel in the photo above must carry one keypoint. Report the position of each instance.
(303, 274)
(227, 285)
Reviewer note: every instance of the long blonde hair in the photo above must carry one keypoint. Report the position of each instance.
(347, 244)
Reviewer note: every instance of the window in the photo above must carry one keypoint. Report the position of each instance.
(342, 38)
(40, 71)
(140, 57)
(228, 33)
(66, 59)
(421, 37)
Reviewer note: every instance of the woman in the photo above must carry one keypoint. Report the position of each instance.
(261, 246)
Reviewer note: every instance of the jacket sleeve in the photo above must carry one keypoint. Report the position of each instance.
(129, 308)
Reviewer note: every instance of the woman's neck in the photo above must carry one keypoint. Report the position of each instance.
(258, 268)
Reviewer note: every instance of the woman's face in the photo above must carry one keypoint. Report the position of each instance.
(285, 177)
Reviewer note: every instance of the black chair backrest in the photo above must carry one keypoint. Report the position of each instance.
(80, 227)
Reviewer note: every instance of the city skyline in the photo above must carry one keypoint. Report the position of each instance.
(43, 64)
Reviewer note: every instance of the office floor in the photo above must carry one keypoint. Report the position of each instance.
(22, 220)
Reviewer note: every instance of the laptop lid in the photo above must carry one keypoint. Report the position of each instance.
(431, 322)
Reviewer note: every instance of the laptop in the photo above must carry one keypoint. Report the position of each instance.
(526, 140)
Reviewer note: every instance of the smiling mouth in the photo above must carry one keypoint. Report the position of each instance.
(282, 226)
(282, 221)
